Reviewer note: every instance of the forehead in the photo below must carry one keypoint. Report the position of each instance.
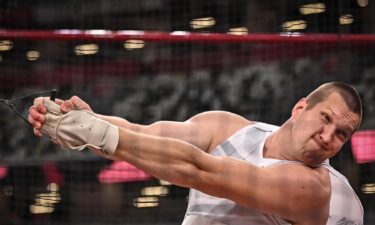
(336, 105)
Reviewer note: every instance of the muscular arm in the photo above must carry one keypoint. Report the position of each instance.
(293, 192)
(205, 130)
(173, 151)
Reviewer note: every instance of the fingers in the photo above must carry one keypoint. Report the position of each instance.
(36, 118)
(59, 101)
(37, 112)
(74, 103)
(79, 103)
(38, 101)
(66, 106)
(37, 132)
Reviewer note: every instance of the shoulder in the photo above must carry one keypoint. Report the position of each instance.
(311, 191)
(220, 117)
(220, 125)
(318, 179)
(291, 191)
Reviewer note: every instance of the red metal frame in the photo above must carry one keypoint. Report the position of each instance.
(182, 36)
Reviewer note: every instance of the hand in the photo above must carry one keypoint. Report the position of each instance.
(38, 110)
(77, 129)
(74, 103)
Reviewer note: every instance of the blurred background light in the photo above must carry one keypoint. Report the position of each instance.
(362, 3)
(238, 31)
(368, 188)
(32, 55)
(294, 25)
(143, 202)
(155, 191)
(314, 8)
(86, 49)
(346, 19)
(134, 44)
(203, 22)
(6, 45)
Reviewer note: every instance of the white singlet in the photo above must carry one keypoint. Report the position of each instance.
(247, 144)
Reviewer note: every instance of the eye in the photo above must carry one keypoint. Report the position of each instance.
(342, 135)
(326, 117)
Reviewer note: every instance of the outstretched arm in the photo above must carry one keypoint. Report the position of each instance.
(205, 130)
(293, 192)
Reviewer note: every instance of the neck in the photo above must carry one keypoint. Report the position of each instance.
(277, 144)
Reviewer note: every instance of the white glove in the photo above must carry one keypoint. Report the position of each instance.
(78, 129)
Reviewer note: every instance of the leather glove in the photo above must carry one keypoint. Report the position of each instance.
(78, 129)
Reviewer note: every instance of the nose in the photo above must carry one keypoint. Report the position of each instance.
(327, 134)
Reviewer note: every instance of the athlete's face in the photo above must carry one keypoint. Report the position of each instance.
(318, 133)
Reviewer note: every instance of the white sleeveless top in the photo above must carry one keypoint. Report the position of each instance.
(247, 144)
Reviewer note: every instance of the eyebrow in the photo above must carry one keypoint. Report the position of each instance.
(349, 129)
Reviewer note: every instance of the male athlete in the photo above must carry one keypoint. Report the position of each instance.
(239, 171)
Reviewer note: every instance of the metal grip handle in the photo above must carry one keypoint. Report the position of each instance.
(53, 95)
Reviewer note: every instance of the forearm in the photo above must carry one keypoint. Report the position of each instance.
(120, 122)
(165, 158)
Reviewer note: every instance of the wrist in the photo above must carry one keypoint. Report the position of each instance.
(104, 135)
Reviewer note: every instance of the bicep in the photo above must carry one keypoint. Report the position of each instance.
(278, 190)
(219, 125)
(204, 130)
(188, 131)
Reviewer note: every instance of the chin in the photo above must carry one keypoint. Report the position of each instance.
(312, 162)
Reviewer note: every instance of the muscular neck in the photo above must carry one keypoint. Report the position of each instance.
(276, 145)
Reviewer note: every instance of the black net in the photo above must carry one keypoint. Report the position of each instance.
(151, 60)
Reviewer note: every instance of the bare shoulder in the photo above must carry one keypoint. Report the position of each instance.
(294, 192)
(221, 117)
(220, 124)
(312, 192)
(322, 175)
(317, 178)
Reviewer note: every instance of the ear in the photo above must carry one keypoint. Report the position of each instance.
(298, 107)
